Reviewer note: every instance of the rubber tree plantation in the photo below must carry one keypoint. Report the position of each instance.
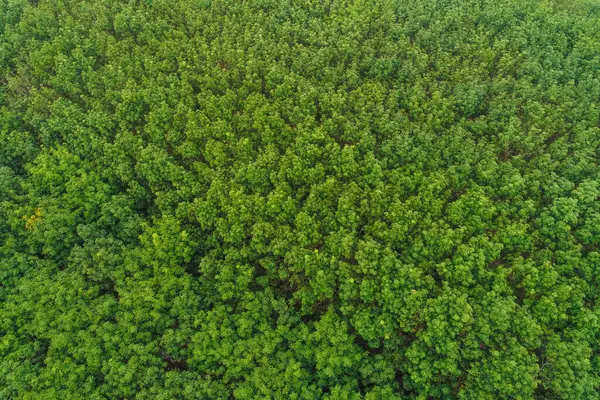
(300, 199)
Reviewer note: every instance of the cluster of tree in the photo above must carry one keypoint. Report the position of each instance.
(299, 199)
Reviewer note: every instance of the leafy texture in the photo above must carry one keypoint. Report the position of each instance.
(299, 199)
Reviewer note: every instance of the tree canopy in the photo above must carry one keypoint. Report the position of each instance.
(287, 199)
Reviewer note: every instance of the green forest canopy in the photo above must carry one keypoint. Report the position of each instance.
(299, 199)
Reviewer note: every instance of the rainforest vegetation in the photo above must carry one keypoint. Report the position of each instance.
(299, 199)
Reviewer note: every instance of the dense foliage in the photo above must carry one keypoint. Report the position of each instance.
(299, 199)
